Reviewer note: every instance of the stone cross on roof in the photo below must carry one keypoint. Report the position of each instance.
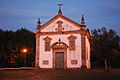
(60, 5)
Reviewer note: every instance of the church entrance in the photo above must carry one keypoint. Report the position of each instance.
(59, 60)
(59, 55)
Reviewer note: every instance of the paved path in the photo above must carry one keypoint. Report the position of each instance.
(58, 75)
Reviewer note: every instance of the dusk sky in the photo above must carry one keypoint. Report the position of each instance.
(15, 14)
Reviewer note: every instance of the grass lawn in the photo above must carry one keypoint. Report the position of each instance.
(59, 75)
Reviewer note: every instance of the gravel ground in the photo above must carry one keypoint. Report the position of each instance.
(59, 75)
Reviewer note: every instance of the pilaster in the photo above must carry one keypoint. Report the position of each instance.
(83, 49)
(37, 67)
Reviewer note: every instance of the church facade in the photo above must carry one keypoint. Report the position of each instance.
(62, 43)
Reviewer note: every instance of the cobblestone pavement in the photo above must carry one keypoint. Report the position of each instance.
(58, 75)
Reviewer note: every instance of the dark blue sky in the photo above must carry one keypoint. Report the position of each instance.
(15, 14)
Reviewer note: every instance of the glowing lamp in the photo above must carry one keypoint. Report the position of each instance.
(24, 50)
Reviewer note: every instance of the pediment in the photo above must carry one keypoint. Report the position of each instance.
(59, 23)
(72, 37)
(47, 38)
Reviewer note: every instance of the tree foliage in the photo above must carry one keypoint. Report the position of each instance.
(11, 44)
(105, 47)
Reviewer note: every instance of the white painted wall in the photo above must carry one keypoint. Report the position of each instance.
(71, 55)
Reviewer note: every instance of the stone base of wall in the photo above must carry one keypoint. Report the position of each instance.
(69, 69)
(37, 68)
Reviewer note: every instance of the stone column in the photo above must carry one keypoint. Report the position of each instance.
(37, 67)
(83, 49)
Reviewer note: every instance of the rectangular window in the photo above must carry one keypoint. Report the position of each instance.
(47, 46)
(71, 44)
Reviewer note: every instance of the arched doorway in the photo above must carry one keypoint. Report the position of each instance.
(59, 55)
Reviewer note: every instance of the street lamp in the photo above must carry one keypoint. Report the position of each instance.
(25, 52)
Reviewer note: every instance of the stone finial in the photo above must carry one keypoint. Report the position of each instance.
(82, 18)
(60, 11)
(83, 21)
(38, 22)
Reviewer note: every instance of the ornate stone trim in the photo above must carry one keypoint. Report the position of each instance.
(72, 42)
(74, 62)
(60, 48)
(63, 32)
(83, 51)
(37, 53)
(47, 43)
(45, 62)
(47, 39)
(72, 37)
(60, 16)
(60, 26)
(60, 45)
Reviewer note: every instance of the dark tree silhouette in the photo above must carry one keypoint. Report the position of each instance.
(11, 44)
(105, 46)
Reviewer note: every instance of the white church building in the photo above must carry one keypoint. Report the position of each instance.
(62, 44)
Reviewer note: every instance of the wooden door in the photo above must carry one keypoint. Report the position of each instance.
(59, 60)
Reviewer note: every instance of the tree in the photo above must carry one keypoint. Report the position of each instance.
(11, 44)
(105, 45)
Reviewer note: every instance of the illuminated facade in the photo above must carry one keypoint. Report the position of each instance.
(62, 43)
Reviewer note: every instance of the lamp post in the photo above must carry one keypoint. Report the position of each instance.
(25, 52)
